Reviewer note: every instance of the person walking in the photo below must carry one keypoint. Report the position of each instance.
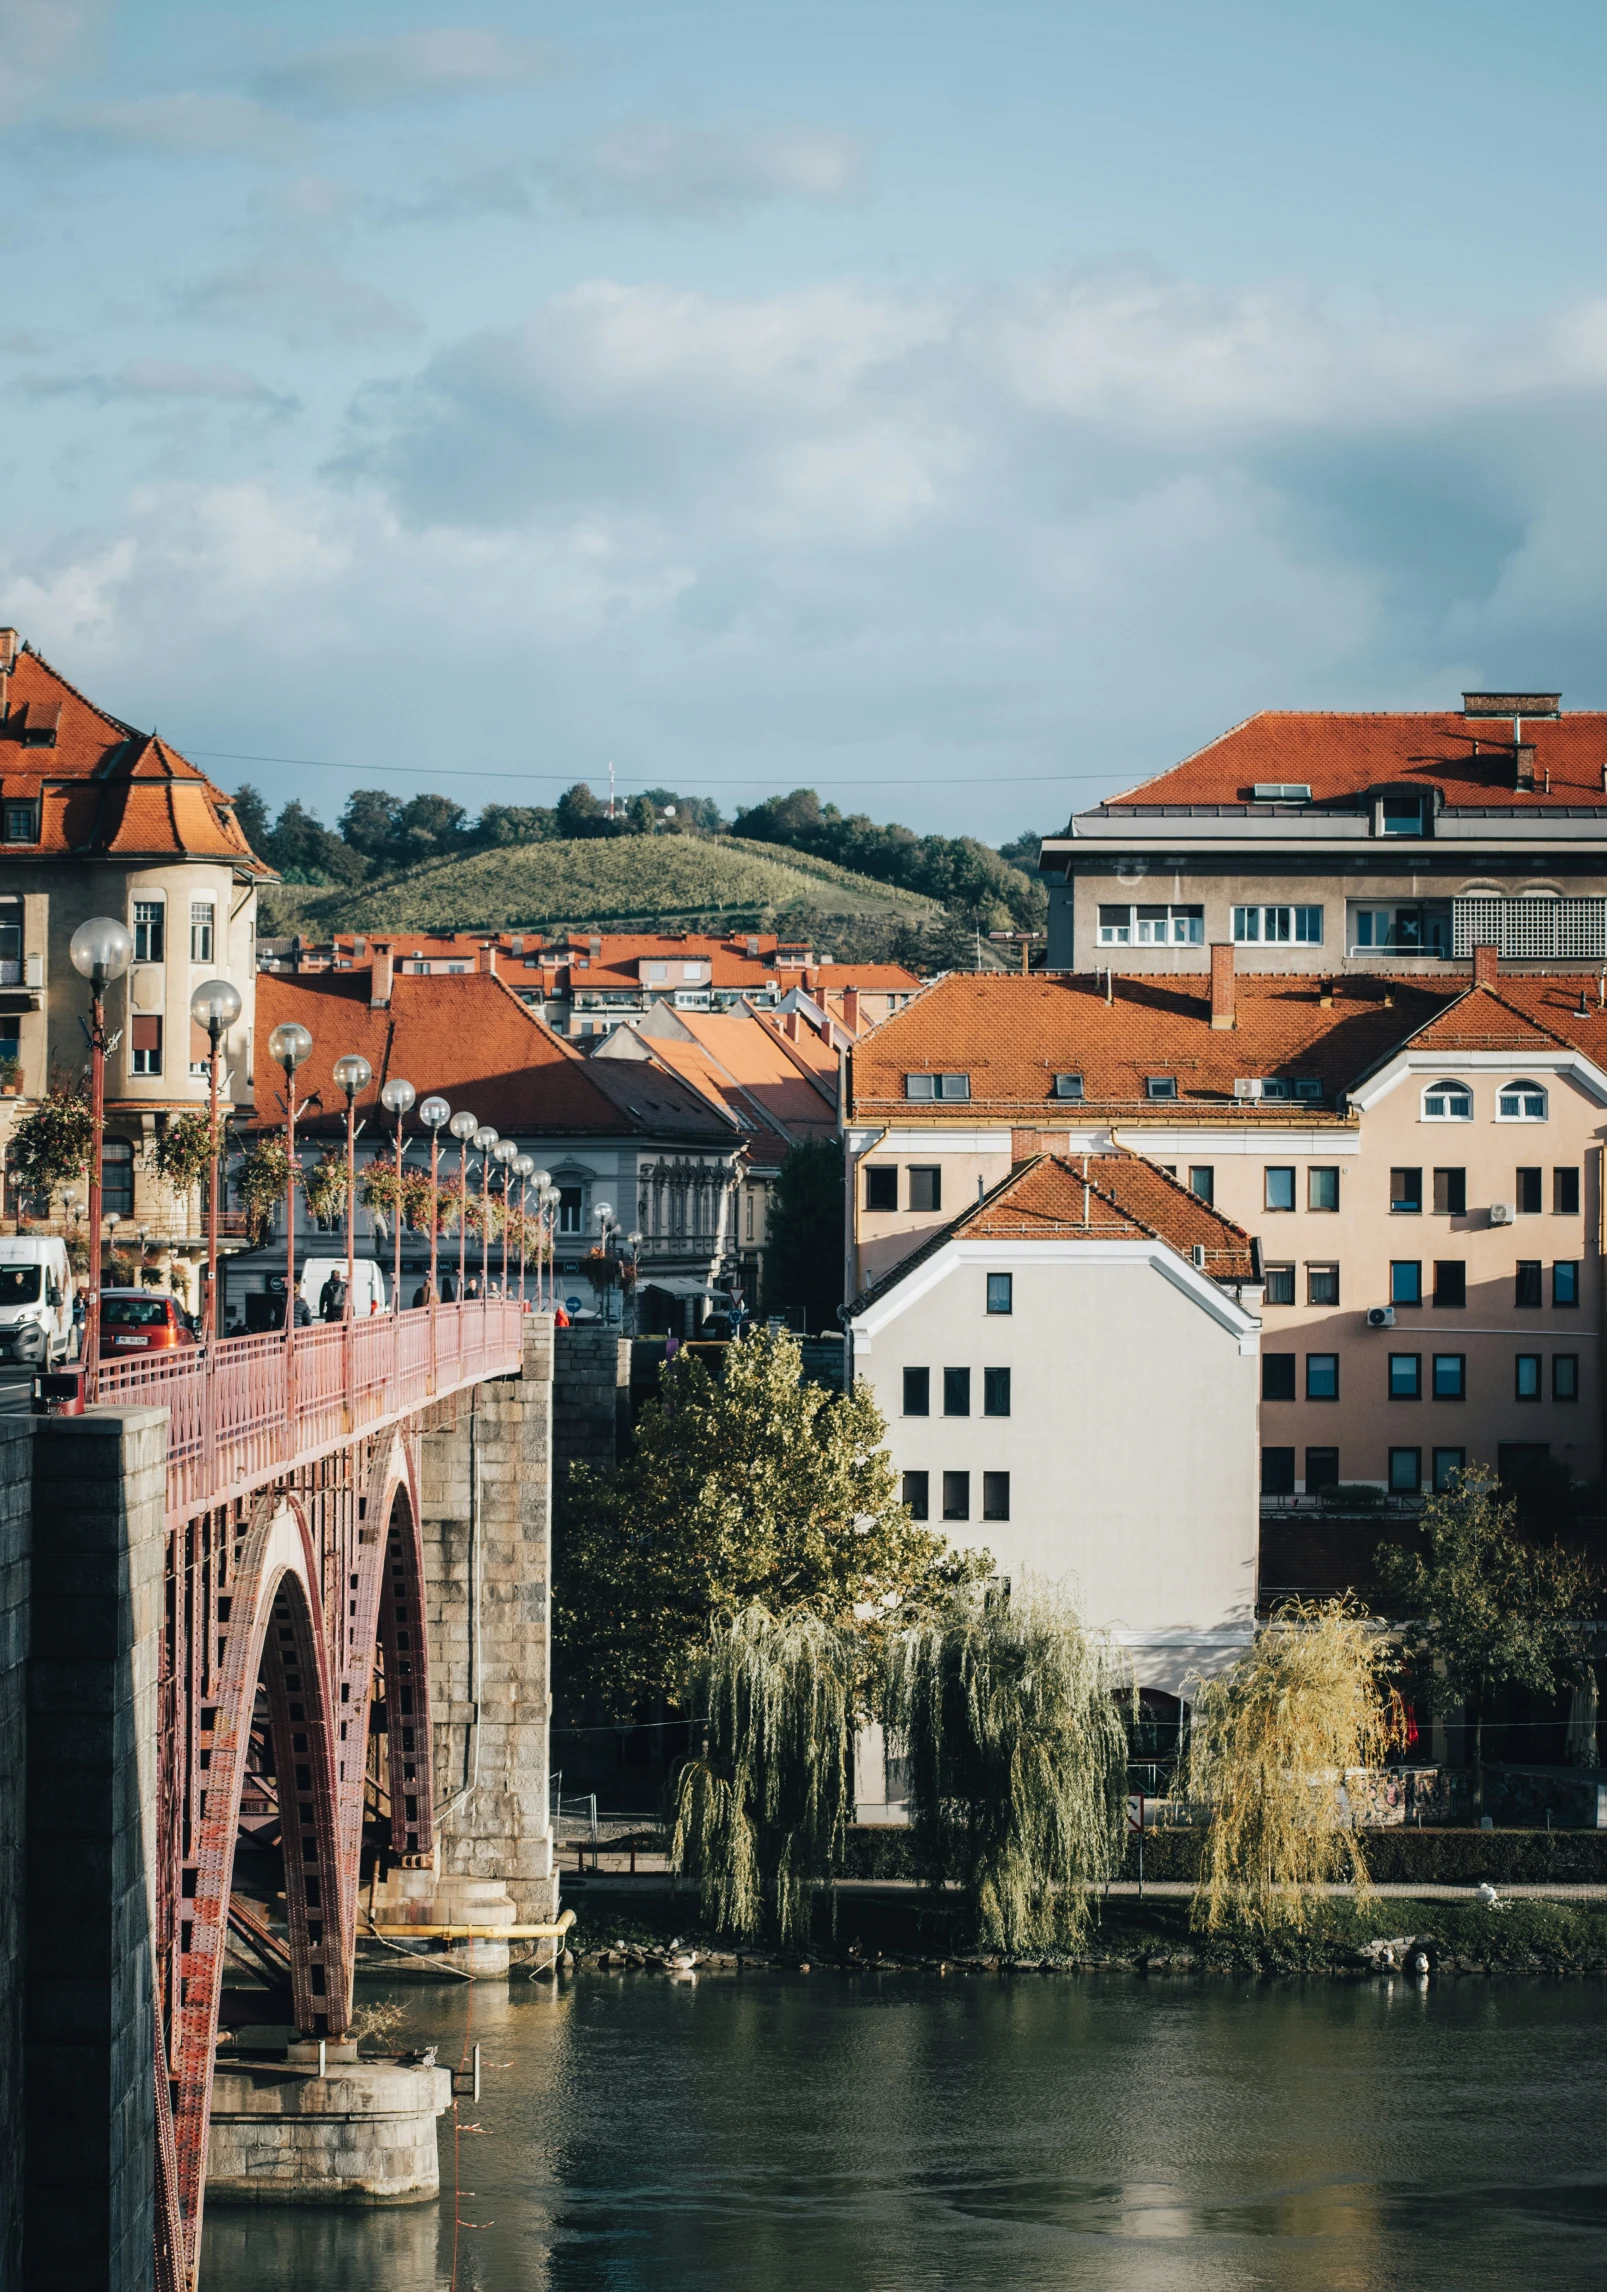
(332, 1298)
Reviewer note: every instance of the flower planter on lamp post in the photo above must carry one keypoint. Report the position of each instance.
(396, 1098)
(484, 1139)
(523, 1170)
(215, 1005)
(463, 1127)
(99, 951)
(290, 1046)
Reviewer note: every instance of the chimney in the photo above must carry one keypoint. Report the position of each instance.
(811, 981)
(851, 1009)
(486, 959)
(379, 990)
(1486, 966)
(1325, 995)
(8, 651)
(1523, 764)
(1222, 985)
(789, 1026)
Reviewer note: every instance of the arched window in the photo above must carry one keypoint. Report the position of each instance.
(1447, 1101)
(1522, 1102)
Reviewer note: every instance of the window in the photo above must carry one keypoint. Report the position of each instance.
(995, 1392)
(956, 1392)
(1447, 1102)
(918, 1495)
(1450, 1283)
(20, 824)
(1406, 1193)
(937, 1086)
(1277, 1472)
(1322, 1469)
(917, 1392)
(1202, 1181)
(1401, 816)
(1406, 1376)
(117, 1178)
(1322, 1376)
(1565, 1282)
(1450, 1376)
(1405, 1471)
(656, 971)
(1521, 1102)
(995, 1496)
(1450, 1193)
(1280, 1189)
(1322, 1189)
(1565, 1376)
(1528, 1191)
(881, 1186)
(149, 918)
(1152, 926)
(956, 1496)
(1419, 929)
(1068, 1086)
(1277, 926)
(1283, 1086)
(1277, 1376)
(1565, 1193)
(1001, 1292)
(145, 1045)
(1280, 1281)
(1447, 1462)
(926, 1188)
(1526, 1295)
(1322, 1285)
(1160, 1086)
(1526, 1377)
(1405, 1281)
(569, 1203)
(200, 931)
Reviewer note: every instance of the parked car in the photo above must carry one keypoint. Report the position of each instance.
(141, 1321)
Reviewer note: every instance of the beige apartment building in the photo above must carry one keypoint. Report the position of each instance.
(97, 818)
(1419, 1165)
(1316, 841)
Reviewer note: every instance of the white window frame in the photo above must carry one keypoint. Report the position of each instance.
(143, 921)
(1442, 1087)
(945, 1088)
(1390, 945)
(1177, 923)
(203, 917)
(1531, 1089)
(1302, 931)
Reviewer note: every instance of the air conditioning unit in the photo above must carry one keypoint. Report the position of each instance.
(1380, 1316)
(1249, 1086)
(1502, 1213)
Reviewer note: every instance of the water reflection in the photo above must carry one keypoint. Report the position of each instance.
(884, 2133)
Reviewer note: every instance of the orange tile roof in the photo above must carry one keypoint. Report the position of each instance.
(1012, 1035)
(616, 966)
(469, 1038)
(740, 1065)
(1526, 1012)
(1341, 755)
(104, 789)
(1095, 1197)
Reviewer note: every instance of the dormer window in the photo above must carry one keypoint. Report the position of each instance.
(22, 823)
(1401, 815)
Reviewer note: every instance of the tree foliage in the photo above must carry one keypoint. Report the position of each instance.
(1479, 1609)
(1009, 1712)
(803, 1251)
(751, 1489)
(762, 1808)
(1270, 1742)
(957, 870)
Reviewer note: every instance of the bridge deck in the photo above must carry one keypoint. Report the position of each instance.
(249, 1409)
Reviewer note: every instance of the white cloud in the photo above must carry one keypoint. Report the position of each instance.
(199, 125)
(361, 75)
(307, 301)
(39, 39)
(660, 168)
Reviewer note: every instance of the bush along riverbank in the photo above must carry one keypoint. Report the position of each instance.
(1341, 1938)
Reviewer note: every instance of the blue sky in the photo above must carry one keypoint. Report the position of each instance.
(963, 409)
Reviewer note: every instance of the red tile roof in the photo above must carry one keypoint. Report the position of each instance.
(469, 1038)
(102, 788)
(1469, 758)
(1011, 1035)
(616, 966)
(741, 1066)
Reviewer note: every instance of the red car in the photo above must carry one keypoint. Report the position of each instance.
(140, 1321)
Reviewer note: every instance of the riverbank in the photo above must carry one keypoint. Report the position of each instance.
(1153, 1936)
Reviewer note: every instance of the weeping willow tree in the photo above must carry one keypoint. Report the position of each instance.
(762, 1810)
(1010, 1713)
(1270, 1743)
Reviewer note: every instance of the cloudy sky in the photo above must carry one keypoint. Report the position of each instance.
(964, 408)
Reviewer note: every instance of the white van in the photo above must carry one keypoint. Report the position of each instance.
(36, 1300)
(368, 1293)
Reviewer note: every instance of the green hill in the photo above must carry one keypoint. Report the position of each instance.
(635, 882)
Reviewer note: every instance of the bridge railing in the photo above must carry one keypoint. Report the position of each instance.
(246, 1409)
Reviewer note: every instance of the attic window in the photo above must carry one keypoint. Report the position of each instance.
(1281, 792)
(948, 1086)
(21, 824)
(1284, 1086)
(1160, 1086)
(1068, 1086)
(40, 724)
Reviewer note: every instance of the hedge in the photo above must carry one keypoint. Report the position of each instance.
(1395, 1857)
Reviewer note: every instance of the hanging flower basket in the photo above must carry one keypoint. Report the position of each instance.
(325, 1187)
(183, 1151)
(262, 1180)
(376, 1190)
(51, 1143)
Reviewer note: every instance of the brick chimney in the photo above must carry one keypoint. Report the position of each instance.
(851, 1009)
(486, 959)
(789, 1026)
(1486, 966)
(1222, 985)
(379, 990)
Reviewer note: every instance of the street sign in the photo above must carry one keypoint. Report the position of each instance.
(571, 1304)
(1135, 1813)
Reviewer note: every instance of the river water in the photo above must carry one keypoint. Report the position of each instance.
(911, 2133)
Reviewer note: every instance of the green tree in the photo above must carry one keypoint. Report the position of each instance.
(369, 823)
(502, 825)
(804, 1235)
(251, 813)
(754, 1488)
(1479, 1609)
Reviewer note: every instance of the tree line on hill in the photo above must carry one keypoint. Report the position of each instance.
(379, 834)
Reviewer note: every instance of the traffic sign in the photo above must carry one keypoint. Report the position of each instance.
(1135, 1812)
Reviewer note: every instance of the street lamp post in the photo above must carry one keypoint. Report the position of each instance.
(507, 1153)
(484, 1139)
(290, 1046)
(433, 1113)
(215, 1005)
(604, 1214)
(550, 1200)
(99, 951)
(463, 1127)
(634, 1244)
(542, 1181)
(354, 1074)
(522, 1170)
(396, 1097)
